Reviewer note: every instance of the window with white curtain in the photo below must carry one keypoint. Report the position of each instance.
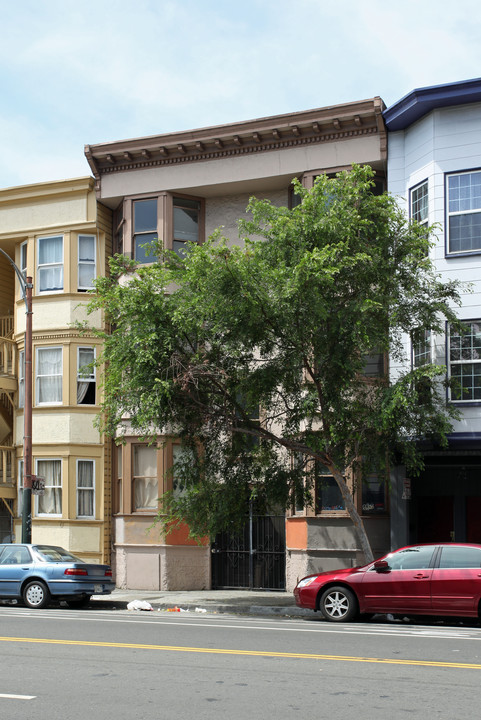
(51, 502)
(50, 264)
(86, 262)
(145, 482)
(85, 376)
(21, 379)
(85, 488)
(20, 489)
(49, 376)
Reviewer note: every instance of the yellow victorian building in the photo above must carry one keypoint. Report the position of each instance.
(57, 233)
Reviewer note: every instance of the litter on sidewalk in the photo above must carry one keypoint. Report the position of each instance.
(139, 605)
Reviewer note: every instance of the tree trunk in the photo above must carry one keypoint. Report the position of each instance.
(353, 514)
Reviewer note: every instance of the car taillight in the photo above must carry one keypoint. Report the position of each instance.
(75, 571)
(108, 573)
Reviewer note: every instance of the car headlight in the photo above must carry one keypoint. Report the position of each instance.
(306, 581)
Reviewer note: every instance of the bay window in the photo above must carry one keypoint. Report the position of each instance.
(50, 264)
(419, 203)
(85, 488)
(21, 379)
(86, 385)
(51, 502)
(464, 211)
(145, 235)
(174, 220)
(49, 376)
(145, 482)
(86, 262)
(464, 355)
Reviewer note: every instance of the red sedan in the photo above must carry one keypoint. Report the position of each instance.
(437, 579)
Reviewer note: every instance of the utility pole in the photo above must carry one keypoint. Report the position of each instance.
(26, 287)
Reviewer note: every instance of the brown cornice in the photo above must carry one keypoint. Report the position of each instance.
(321, 125)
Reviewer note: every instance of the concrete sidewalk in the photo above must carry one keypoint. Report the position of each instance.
(240, 602)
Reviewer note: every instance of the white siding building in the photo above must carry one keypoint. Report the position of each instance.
(434, 167)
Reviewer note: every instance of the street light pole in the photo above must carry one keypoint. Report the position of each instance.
(26, 287)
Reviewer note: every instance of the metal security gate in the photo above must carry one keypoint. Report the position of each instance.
(252, 559)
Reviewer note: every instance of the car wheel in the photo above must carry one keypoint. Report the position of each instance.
(78, 602)
(36, 595)
(338, 604)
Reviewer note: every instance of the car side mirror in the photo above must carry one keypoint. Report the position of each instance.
(381, 566)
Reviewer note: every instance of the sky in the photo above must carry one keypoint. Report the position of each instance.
(75, 73)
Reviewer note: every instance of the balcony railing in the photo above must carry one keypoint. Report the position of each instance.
(7, 466)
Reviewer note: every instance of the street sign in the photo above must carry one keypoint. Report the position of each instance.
(38, 485)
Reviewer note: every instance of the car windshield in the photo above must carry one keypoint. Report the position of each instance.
(55, 554)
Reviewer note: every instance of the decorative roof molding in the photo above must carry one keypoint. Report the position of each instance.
(421, 101)
(322, 125)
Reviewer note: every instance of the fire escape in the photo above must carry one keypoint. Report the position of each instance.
(8, 388)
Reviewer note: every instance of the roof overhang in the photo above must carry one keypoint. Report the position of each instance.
(421, 101)
(321, 125)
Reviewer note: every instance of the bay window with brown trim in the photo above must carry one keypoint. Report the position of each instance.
(174, 220)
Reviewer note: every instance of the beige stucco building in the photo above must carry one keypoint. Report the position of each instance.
(182, 186)
(57, 233)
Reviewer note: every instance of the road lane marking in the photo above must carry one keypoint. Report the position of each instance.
(17, 697)
(249, 653)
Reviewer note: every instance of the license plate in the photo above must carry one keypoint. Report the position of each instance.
(98, 588)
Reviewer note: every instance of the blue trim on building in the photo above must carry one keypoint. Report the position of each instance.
(421, 101)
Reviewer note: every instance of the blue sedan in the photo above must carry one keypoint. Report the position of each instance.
(37, 574)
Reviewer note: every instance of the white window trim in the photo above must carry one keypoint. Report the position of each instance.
(23, 247)
(451, 363)
(20, 487)
(21, 379)
(412, 190)
(459, 213)
(37, 350)
(49, 459)
(84, 262)
(84, 489)
(83, 378)
(57, 264)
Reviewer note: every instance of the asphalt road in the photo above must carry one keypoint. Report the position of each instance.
(93, 664)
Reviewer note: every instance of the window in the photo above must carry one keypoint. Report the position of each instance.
(186, 224)
(413, 558)
(328, 494)
(419, 204)
(374, 365)
(464, 212)
(21, 379)
(85, 376)
(118, 504)
(373, 495)
(421, 348)
(86, 262)
(145, 482)
(145, 229)
(460, 557)
(50, 264)
(465, 363)
(85, 488)
(51, 502)
(20, 489)
(179, 455)
(23, 259)
(49, 376)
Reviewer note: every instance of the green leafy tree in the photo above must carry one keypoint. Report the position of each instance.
(253, 354)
